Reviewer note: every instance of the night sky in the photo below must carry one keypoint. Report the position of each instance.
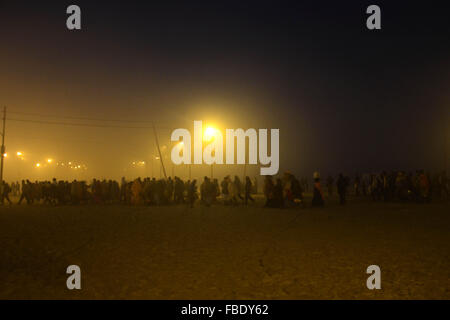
(344, 98)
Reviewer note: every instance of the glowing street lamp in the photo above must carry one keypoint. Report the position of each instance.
(49, 160)
(19, 154)
(38, 165)
(209, 133)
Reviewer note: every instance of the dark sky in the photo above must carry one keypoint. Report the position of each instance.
(344, 98)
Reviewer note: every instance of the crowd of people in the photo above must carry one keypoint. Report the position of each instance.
(147, 191)
(418, 187)
(283, 191)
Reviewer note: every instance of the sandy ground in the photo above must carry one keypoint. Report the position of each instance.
(226, 252)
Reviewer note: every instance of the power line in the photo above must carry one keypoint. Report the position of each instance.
(77, 118)
(82, 124)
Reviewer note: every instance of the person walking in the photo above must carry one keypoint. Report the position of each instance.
(342, 184)
(5, 191)
(317, 200)
(248, 190)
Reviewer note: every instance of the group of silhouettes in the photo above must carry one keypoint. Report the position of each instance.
(283, 191)
(418, 187)
(147, 191)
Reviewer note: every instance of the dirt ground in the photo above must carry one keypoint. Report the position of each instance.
(174, 252)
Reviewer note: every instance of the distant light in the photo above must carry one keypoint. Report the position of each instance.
(49, 160)
(157, 158)
(38, 165)
(79, 167)
(70, 163)
(5, 155)
(19, 153)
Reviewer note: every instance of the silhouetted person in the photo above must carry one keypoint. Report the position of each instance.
(248, 190)
(224, 186)
(342, 184)
(192, 193)
(5, 191)
(178, 190)
(317, 200)
(269, 190)
(255, 186)
(215, 190)
(357, 185)
(238, 185)
(26, 192)
(278, 194)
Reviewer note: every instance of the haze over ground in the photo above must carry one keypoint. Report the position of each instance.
(344, 98)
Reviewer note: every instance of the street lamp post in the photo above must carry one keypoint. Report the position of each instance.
(210, 134)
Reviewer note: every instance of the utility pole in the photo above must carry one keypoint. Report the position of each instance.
(3, 145)
(159, 151)
(153, 158)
